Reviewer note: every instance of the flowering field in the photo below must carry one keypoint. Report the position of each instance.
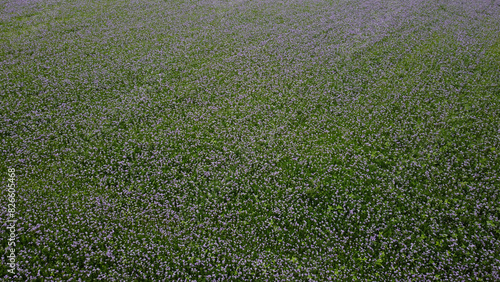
(251, 140)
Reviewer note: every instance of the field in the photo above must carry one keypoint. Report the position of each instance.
(250, 140)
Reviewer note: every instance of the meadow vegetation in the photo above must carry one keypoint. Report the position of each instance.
(252, 140)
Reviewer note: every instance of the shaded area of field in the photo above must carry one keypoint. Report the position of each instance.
(252, 139)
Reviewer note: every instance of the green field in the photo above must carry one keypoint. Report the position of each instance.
(250, 140)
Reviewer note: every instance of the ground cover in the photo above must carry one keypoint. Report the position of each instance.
(251, 140)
